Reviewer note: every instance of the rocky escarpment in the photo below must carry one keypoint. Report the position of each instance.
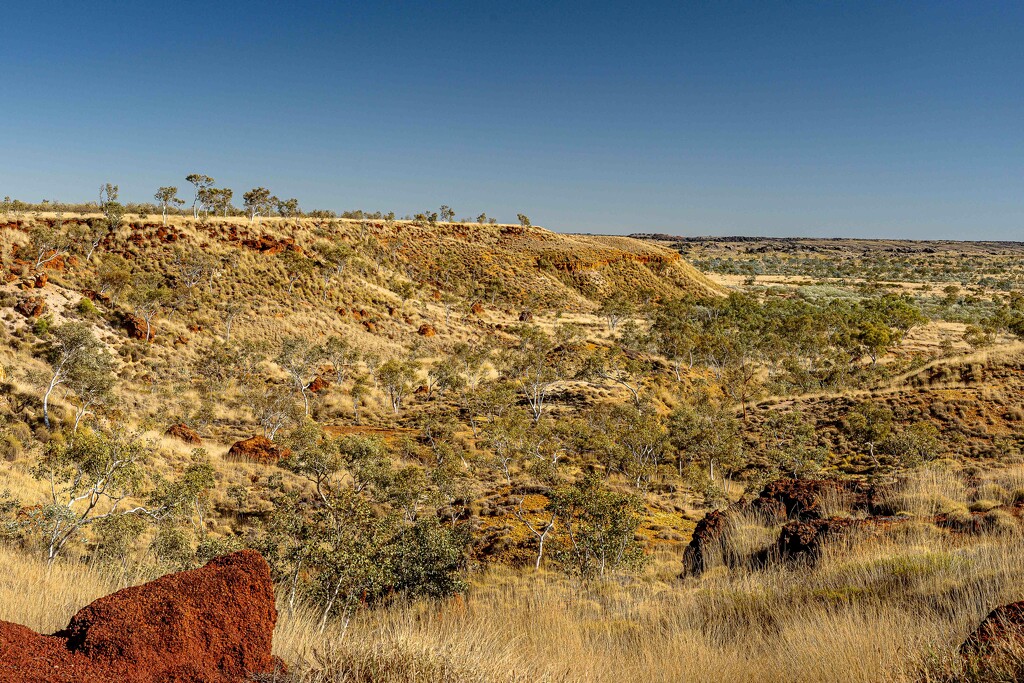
(209, 625)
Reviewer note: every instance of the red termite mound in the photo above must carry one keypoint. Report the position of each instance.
(1003, 628)
(258, 449)
(208, 625)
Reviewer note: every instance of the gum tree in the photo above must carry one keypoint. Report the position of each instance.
(167, 197)
(257, 203)
(72, 353)
(201, 183)
(88, 479)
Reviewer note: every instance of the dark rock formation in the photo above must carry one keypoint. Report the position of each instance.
(183, 432)
(258, 449)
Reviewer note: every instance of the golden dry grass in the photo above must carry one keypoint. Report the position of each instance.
(892, 606)
(886, 611)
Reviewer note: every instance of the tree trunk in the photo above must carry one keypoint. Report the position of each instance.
(46, 397)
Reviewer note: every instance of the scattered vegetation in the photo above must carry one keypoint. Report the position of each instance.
(477, 451)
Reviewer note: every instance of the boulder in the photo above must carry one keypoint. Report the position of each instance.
(41, 280)
(427, 330)
(318, 384)
(32, 307)
(477, 308)
(136, 327)
(183, 432)
(214, 625)
(258, 449)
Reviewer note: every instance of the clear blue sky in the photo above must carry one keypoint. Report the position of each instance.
(841, 118)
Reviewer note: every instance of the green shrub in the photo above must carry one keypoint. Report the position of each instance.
(87, 308)
(10, 447)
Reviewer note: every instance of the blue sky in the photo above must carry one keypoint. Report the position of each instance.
(856, 119)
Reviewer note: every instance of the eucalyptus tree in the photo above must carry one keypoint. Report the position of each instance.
(599, 526)
(257, 202)
(47, 244)
(201, 183)
(706, 433)
(538, 361)
(217, 200)
(72, 352)
(300, 360)
(167, 197)
(147, 296)
(287, 208)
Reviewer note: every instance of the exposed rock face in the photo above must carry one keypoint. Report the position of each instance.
(136, 327)
(318, 384)
(184, 433)
(799, 504)
(258, 449)
(270, 245)
(32, 307)
(209, 625)
(1002, 628)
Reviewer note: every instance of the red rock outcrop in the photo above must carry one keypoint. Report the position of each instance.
(477, 308)
(208, 625)
(318, 384)
(33, 307)
(427, 330)
(136, 327)
(258, 449)
(184, 433)
(800, 505)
